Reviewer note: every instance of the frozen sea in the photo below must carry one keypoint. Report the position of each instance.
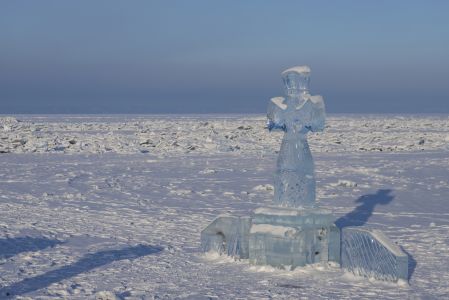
(111, 207)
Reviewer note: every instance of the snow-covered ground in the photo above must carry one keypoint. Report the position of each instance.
(113, 206)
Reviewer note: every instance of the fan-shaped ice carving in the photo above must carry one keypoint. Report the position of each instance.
(369, 253)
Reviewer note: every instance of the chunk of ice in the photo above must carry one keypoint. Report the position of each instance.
(369, 253)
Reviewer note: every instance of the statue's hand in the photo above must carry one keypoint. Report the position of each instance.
(276, 108)
(318, 114)
(275, 126)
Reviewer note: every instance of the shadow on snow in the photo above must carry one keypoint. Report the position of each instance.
(85, 264)
(360, 215)
(411, 263)
(13, 246)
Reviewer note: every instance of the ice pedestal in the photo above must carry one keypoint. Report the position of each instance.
(275, 236)
(288, 238)
(293, 237)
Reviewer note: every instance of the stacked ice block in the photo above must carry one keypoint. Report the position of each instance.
(289, 238)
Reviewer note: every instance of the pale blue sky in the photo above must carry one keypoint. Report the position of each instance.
(90, 56)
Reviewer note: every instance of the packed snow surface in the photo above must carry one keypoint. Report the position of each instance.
(112, 206)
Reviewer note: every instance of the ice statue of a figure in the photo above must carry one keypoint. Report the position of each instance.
(296, 115)
(295, 232)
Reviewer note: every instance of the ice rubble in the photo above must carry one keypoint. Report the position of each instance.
(208, 134)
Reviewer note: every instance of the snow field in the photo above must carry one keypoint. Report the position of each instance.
(126, 223)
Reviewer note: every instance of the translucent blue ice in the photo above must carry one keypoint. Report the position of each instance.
(369, 253)
(227, 235)
(289, 237)
(296, 115)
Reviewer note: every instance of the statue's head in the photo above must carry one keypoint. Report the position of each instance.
(296, 80)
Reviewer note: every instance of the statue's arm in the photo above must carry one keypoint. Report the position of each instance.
(318, 116)
(274, 115)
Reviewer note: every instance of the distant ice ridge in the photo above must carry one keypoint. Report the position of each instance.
(7, 123)
(169, 136)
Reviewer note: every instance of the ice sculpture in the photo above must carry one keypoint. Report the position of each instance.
(294, 231)
(227, 235)
(369, 253)
(290, 237)
(296, 115)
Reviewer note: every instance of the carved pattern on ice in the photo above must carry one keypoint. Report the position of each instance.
(227, 235)
(369, 253)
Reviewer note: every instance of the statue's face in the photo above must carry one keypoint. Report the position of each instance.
(295, 83)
